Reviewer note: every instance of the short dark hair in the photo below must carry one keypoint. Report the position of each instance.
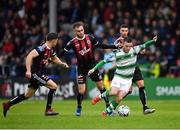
(128, 39)
(51, 36)
(78, 24)
(124, 26)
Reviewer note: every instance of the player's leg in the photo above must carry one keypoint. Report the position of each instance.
(139, 80)
(111, 74)
(102, 89)
(80, 96)
(53, 86)
(123, 86)
(142, 96)
(111, 92)
(97, 78)
(6, 105)
(81, 79)
(115, 84)
(114, 103)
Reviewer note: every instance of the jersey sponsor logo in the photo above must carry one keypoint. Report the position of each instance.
(84, 51)
(77, 45)
(41, 48)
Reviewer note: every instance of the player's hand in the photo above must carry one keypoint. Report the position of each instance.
(91, 71)
(28, 74)
(118, 45)
(155, 38)
(65, 65)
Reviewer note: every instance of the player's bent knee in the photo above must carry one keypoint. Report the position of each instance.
(81, 91)
(54, 86)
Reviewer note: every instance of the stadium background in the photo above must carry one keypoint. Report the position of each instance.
(23, 25)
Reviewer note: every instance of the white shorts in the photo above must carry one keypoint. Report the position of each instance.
(121, 83)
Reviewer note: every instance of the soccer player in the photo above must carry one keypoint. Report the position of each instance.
(125, 59)
(137, 77)
(36, 62)
(83, 45)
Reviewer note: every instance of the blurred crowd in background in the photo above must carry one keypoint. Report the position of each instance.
(24, 24)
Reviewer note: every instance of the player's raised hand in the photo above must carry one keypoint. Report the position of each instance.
(155, 38)
(91, 71)
(65, 65)
(28, 74)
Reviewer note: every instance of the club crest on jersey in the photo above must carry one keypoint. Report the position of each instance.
(88, 42)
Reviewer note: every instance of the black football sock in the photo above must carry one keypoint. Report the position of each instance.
(142, 96)
(17, 99)
(106, 99)
(79, 100)
(50, 98)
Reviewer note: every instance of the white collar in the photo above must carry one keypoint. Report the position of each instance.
(81, 38)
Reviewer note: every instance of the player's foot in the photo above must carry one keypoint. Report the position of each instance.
(78, 111)
(113, 113)
(6, 107)
(95, 100)
(50, 112)
(148, 110)
(104, 114)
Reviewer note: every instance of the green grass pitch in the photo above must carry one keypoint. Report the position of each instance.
(30, 115)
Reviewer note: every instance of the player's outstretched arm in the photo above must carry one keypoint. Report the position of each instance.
(154, 40)
(105, 46)
(145, 45)
(99, 65)
(56, 60)
(29, 59)
(150, 42)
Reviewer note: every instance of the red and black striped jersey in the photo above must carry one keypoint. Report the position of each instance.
(41, 61)
(84, 50)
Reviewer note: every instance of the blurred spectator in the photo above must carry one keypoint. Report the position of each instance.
(177, 72)
(24, 23)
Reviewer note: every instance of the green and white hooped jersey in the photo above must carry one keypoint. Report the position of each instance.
(125, 62)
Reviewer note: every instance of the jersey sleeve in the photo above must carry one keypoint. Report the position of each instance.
(69, 46)
(93, 40)
(117, 41)
(40, 49)
(110, 58)
(138, 48)
(53, 53)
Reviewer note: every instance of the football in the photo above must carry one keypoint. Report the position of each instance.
(123, 111)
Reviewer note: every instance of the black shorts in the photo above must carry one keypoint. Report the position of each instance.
(38, 80)
(82, 73)
(111, 74)
(137, 75)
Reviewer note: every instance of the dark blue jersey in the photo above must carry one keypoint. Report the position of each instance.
(41, 61)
